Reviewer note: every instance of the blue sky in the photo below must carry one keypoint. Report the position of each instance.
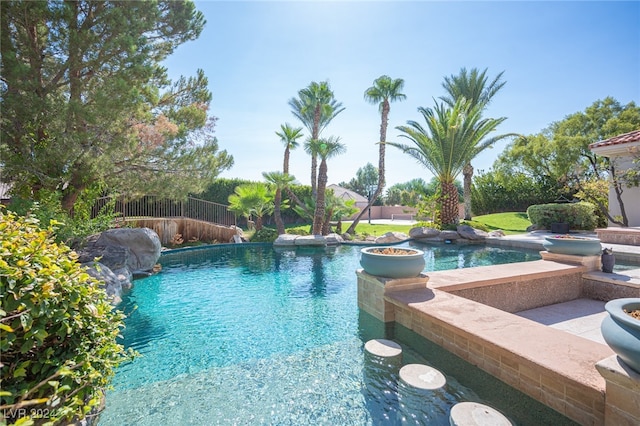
(557, 57)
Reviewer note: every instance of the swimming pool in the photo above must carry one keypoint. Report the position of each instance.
(246, 334)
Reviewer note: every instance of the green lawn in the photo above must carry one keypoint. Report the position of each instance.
(510, 223)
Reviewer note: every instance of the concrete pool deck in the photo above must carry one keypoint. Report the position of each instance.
(580, 317)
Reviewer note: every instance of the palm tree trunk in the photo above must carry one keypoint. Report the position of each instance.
(381, 166)
(285, 165)
(467, 172)
(326, 226)
(315, 134)
(314, 179)
(277, 215)
(318, 217)
(449, 203)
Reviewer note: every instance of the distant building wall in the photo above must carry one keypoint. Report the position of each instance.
(622, 150)
(398, 212)
(630, 196)
(389, 212)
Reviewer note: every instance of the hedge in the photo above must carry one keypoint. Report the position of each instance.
(57, 329)
(580, 215)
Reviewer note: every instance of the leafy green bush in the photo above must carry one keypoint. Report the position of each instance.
(265, 235)
(298, 231)
(596, 191)
(427, 224)
(70, 230)
(58, 329)
(499, 191)
(578, 215)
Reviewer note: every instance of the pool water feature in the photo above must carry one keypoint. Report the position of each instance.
(247, 334)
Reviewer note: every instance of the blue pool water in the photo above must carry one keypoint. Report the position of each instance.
(247, 334)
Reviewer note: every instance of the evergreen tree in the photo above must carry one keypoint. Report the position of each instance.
(86, 103)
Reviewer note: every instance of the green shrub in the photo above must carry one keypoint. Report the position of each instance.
(57, 328)
(265, 235)
(505, 191)
(596, 191)
(578, 215)
(69, 230)
(428, 224)
(298, 231)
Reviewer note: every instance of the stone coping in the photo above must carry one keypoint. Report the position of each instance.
(458, 279)
(626, 236)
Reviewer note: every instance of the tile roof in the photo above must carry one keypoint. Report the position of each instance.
(618, 140)
(346, 194)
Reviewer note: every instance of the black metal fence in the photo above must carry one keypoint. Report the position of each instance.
(151, 206)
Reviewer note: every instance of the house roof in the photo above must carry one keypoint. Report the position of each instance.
(346, 194)
(618, 140)
(623, 145)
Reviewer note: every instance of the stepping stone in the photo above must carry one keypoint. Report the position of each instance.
(383, 348)
(422, 377)
(476, 414)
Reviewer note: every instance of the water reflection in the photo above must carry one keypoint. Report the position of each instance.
(380, 389)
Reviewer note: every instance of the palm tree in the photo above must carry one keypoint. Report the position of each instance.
(325, 148)
(315, 107)
(384, 91)
(337, 208)
(289, 137)
(281, 181)
(451, 137)
(252, 199)
(473, 88)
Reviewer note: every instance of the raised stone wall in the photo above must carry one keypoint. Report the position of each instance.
(622, 401)
(602, 286)
(523, 292)
(625, 236)
(372, 289)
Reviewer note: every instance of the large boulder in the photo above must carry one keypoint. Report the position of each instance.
(311, 240)
(285, 240)
(143, 244)
(347, 237)
(448, 235)
(113, 257)
(392, 237)
(470, 233)
(333, 239)
(423, 232)
(116, 255)
(112, 283)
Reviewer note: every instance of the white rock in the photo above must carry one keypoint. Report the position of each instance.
(311, 240)
(285, 240)
(392, 237)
